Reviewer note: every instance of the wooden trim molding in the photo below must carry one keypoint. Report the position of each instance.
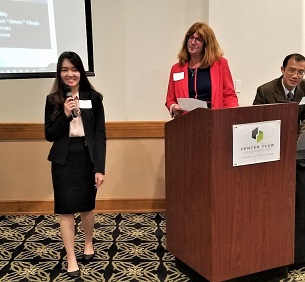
(114, 130)
(135, 129)
(21, 131)
(102, 206)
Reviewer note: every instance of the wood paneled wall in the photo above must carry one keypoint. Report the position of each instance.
(20, 132)
(119, 130)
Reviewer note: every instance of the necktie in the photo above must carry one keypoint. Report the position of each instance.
(290, 96)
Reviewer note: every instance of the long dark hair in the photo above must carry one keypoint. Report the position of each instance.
(57, 91)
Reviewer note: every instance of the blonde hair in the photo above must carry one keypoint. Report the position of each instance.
(211, 50)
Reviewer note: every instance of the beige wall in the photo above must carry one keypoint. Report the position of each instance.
(256, 37)
(135, 44)
(137, 41)
(134, 170)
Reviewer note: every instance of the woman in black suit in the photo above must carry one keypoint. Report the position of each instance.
(75, 123)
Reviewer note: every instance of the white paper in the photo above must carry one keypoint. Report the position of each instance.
(190, 104)
(85, 104)
(301, 155)
(301, 142)
(302, 102)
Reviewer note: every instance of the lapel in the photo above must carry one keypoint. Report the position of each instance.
(184, 82)
(298, 94)
(85, 112)
(214, 71)
(279, 93)
(84, 96)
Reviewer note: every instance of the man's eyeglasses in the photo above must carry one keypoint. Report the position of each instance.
(197, 39)
(292, 71)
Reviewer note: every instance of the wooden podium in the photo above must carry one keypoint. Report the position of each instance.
(223, 221)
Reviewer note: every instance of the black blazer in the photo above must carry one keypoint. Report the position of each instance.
(57, 131)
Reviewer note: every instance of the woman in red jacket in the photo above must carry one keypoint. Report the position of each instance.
(201, 73)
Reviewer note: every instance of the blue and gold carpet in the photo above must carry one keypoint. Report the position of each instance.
(128, 247)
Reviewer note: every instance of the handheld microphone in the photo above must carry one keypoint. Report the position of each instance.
(68, 93)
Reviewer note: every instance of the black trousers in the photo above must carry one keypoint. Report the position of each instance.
(299, 247)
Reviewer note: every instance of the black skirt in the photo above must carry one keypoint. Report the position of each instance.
(73, 183)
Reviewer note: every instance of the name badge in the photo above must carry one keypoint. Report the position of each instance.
(178, 76)
(85, 104)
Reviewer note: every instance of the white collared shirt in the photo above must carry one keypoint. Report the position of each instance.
(287, 91)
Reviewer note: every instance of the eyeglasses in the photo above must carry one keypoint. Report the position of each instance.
(292, 71)
(197, 39)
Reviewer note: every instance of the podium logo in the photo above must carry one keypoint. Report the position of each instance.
(257, 135)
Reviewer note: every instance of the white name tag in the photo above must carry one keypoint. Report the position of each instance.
(85, 104)
(178, 76)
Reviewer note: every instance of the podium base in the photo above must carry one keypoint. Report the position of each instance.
(271, 275)
(189, 272)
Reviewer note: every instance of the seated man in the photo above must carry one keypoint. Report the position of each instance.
(291, 87)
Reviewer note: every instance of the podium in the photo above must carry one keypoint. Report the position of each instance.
(226, 221)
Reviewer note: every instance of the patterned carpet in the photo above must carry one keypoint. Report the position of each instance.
(128, 247)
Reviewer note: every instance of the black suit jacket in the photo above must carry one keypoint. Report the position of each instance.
(57, 131)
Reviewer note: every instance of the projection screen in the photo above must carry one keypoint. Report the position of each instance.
(33, 33)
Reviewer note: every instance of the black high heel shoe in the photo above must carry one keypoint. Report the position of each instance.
(74, 274)
(88, 257)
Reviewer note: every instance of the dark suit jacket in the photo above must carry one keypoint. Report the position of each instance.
(273, 92)
(57, 131)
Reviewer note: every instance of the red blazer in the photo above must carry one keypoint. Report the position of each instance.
(223, 93)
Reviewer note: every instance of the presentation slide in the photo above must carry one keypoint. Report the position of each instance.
(33, 33)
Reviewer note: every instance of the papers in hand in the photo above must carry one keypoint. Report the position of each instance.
(301, 142)
(302, 102)
(301, 147)
(190, 104)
